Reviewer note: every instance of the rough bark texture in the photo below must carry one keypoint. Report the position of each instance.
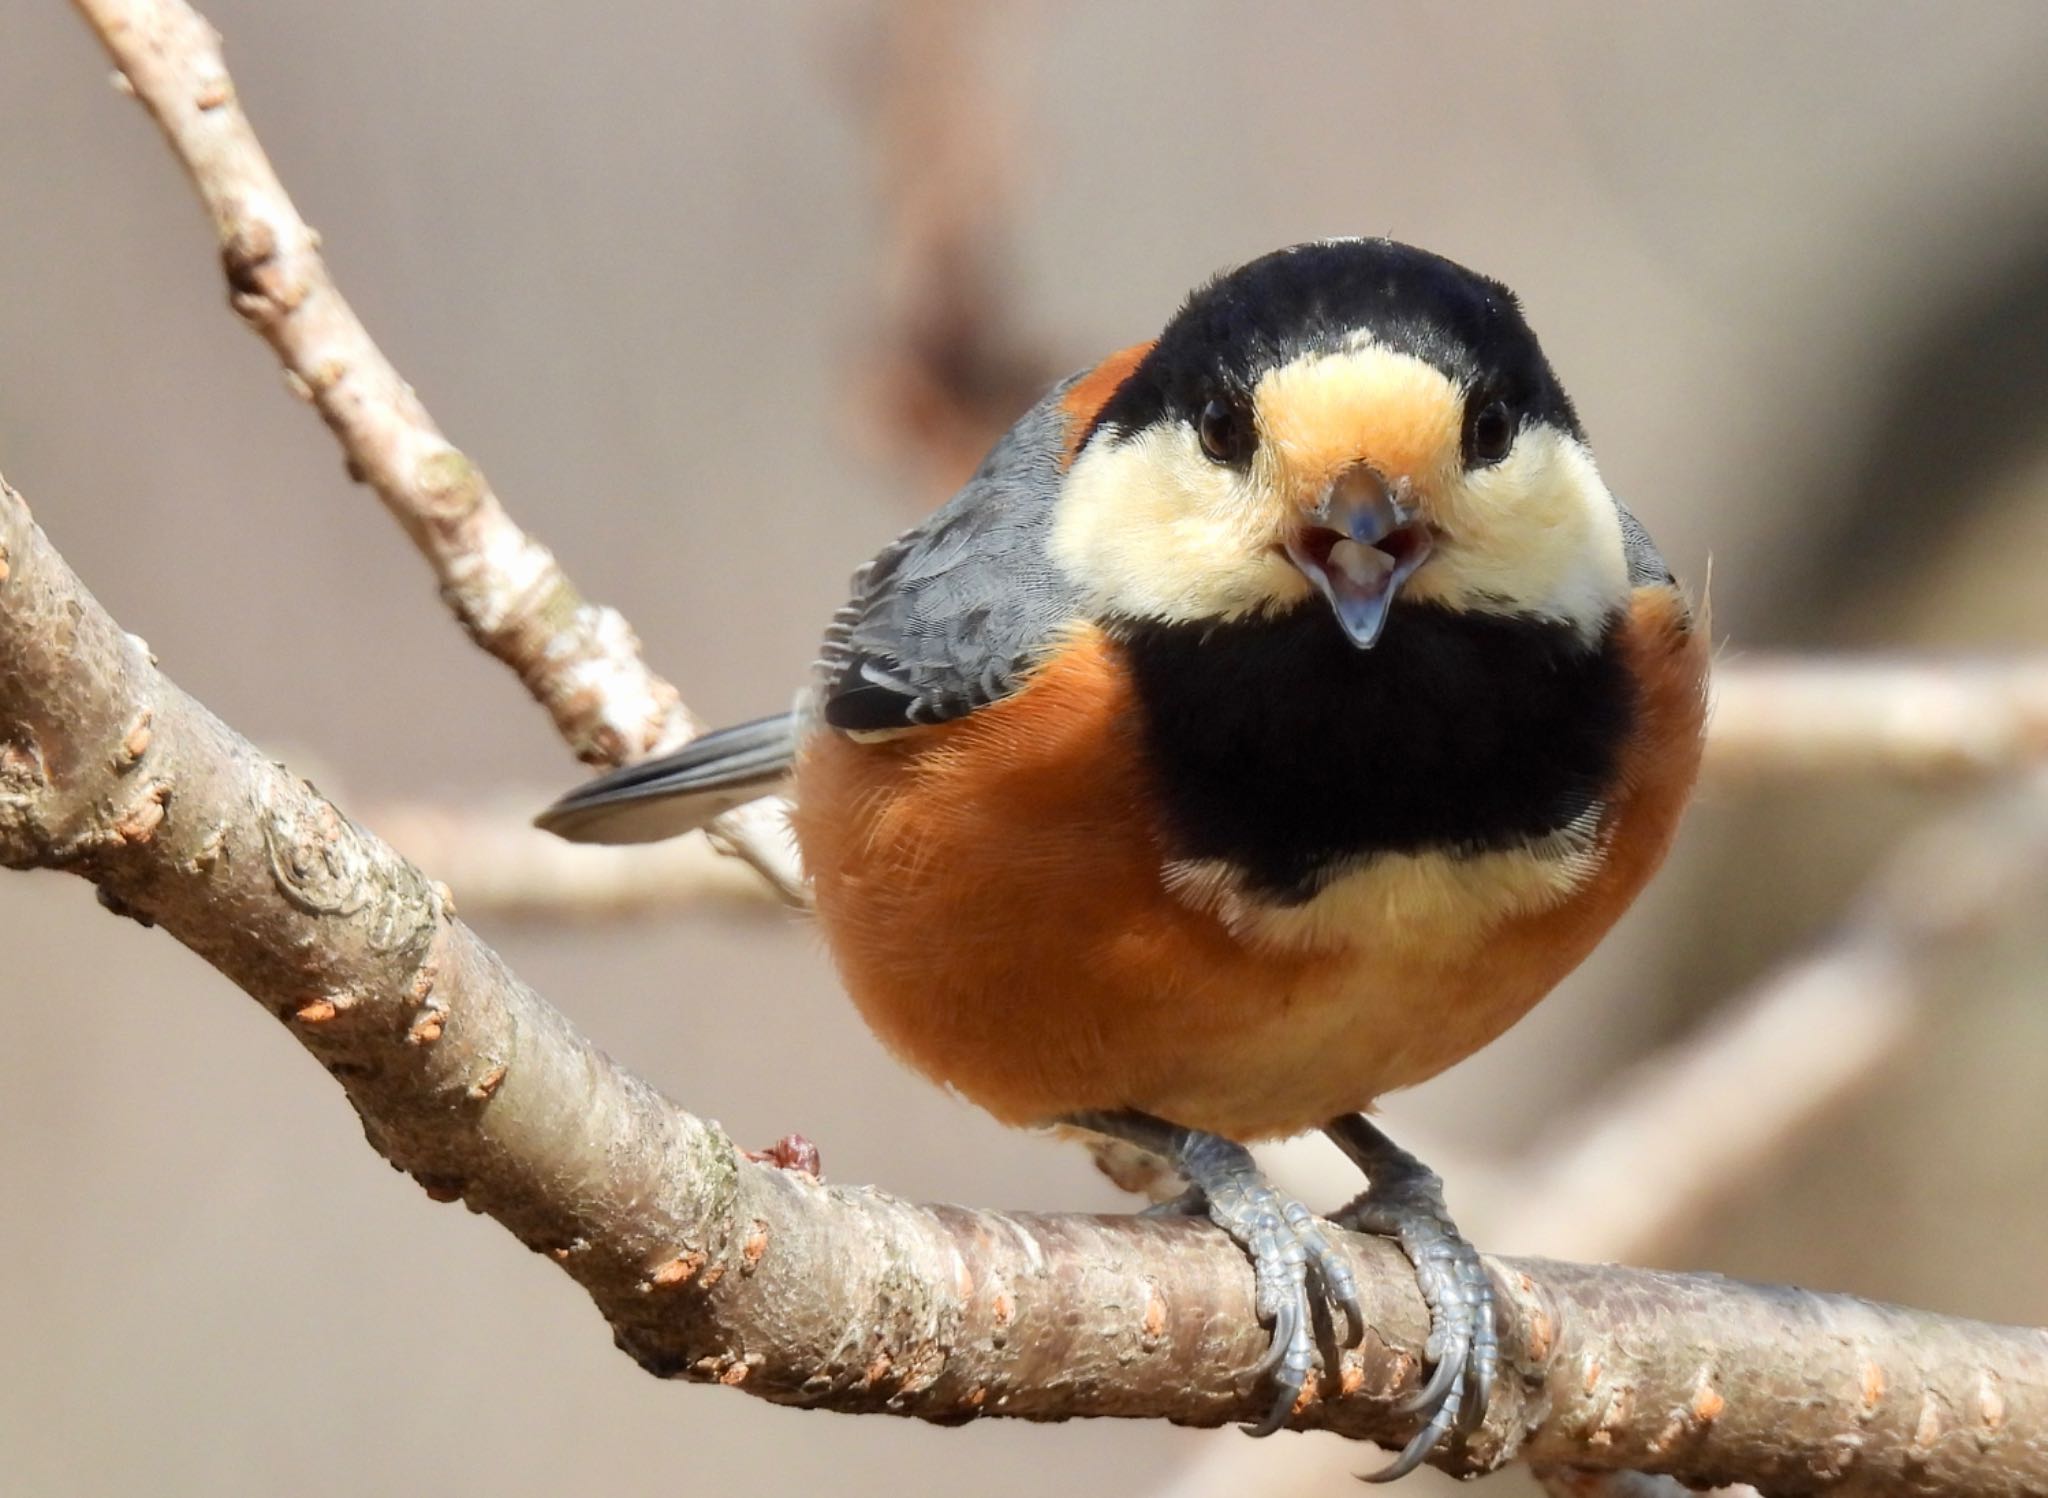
(714, 1268)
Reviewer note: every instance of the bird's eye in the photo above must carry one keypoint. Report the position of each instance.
(1226, 431)
(1489, 431)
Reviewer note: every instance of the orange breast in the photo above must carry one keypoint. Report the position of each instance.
(994, 893)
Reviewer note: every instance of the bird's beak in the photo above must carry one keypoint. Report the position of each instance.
(1363, 539)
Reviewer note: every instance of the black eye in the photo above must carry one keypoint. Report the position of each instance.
(1490, 425)
(1226, 431)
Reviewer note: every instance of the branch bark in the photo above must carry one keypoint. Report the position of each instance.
(580, 660)
(714, 1268)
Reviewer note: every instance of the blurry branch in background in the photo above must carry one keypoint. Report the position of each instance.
(1932, 720)
(579, 660)
(1844, 1009)
(503, 867)
(712, 1267)
(948, 371)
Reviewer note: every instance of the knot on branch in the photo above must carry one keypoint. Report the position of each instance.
(451, 487)
(261, 285)
(324, 865)
(23, 782)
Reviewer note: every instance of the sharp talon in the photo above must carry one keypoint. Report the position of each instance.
(1412, 1455)
(1441, 1381)
(1484, 1366)
(1340, 1286)
(1282, 1343)
(1283, 1407)
(1347, 1301)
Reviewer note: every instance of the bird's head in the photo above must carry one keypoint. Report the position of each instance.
(1354, 422)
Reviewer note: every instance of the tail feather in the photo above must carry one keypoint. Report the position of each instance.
(679, 792)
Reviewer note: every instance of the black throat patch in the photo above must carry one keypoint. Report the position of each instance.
(1282, 749)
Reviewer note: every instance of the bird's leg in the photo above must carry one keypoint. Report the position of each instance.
(1405, 1202)
(1281, 1237)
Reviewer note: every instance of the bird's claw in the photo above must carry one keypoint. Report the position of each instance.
(1287, 1249)
(1286, 1243)
(1407, 1205)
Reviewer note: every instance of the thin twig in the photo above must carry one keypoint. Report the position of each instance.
(714, 1268)
(580, 660)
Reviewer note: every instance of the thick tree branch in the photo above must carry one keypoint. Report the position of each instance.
(579, 660)
(713, 1268)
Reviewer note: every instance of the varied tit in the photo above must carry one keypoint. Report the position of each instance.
(1282, 710)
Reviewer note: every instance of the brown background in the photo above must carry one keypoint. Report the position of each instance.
(1790, 260)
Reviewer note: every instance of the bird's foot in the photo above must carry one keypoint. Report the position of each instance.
(1406, 1203)
(1282, 1238)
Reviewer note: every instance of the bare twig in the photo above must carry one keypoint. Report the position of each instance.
(580, 660)
(710, 1267)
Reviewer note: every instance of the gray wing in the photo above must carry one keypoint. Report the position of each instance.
(953, 614)
(680, 791)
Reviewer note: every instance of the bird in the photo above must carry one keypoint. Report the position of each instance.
(1284, 708)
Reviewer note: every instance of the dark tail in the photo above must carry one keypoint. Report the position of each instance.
(678, 792)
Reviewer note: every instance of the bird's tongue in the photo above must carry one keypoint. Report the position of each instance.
(1358, 580)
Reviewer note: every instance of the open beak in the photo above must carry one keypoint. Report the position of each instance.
(1364, 539)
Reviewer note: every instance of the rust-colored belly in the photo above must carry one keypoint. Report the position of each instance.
(997, 896)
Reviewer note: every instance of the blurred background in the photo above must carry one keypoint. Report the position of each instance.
(722, 297)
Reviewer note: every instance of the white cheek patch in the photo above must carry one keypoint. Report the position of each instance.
(1148, 526)
(1536, 533)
